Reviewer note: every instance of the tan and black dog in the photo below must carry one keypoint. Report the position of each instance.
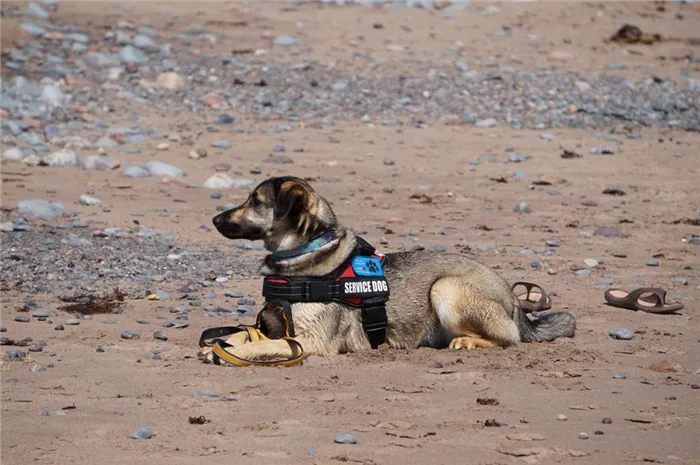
(437, 300)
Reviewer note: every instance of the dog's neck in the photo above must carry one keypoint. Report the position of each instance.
(318, 257)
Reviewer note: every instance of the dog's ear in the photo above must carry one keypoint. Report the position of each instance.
(291, 200)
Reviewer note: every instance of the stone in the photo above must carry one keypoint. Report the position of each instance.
(619, 376)
(145, 43)
(583, 273)
(170, 81)
(130, 55)
(160, 335)
(583, 436)
(522, 207)
(100, 60)
(106, 143)
(22, 319)
(653, 262)
(224, 119)
(136, 172)
(128, 334)
(286, 41)
(608, 231)
(38, 368)
(63, 157)
(206, 393)
(41, 209)
(487, 123)
(72, 322)
(34, 10)
(562, 417)
(141, 433)
(590, 262)
(52, 95)
(624, 334)
(553, 243)
(90, 201)
(160, 168)
(13, 154)
(344, 438)
(221, 144)
(603, 282)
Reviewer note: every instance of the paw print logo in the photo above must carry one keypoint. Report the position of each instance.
(372, 266)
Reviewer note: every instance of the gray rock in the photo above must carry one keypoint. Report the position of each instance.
(603, 282)
(136, 172)
(145, 43)
(653, 262)
(681, 281)
(624, 334)
(34, 10)
(33, 29)
(22, 319)
(553, 243)
(30, 138)
(522, 207)
(41, 209)
(52, 95)
(38, 368)
(160, 335)
(286, 41)
(520, 174)
(100, 60)
(132, 55)
(221, 144)
(608, 231)
(141, 433)
(159, 168)
(583, 273)
(278, 159)
(619, 376)
(344, 438)
(205, 393)
(128, 334)
(224, 119)
(105, 142)
(72, 322)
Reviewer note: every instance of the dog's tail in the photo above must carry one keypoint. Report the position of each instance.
(545, 328)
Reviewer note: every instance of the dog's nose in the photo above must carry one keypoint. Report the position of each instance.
(218, 220)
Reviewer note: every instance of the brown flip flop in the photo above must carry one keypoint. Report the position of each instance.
(646, 299)
(534, 299)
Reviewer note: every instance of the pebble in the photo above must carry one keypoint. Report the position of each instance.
(224, 119)
(344, 438)
(160, 335)
(90, 200)
(34, 10)
(41, 209)
(608, 231)
(619, 376)
(624, 334)
(653, 262)
(286, 41)
(170, 81)
(620, 255)
(221, 144)
(160, 168)
(141, 433)
(590, 262)
(59, 328)
(487, 123)
(562, 417)
(22, 319)
(206, 393)
(607, 421)
(583, 273)
(63, 157)
(136, 172)
(582, 435)
(130, 55)
(553, 243)
(522, 207)
(72, 322)
(603, 282)
(130, 335)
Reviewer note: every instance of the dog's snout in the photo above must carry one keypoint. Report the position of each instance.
(218, 220)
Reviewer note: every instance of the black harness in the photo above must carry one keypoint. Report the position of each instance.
(359, 281)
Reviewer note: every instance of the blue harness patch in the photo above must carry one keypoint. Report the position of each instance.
(367, 266)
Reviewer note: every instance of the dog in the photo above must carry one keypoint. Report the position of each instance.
(438, 300)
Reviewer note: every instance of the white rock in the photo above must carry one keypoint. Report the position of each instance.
(52, 95)
(218, 181)
(160, 168)
(7, 227)
(63, 157)
(98, 163)
(590, 262)
(163, 146)
(32, 160)
(90, 201)
(13, 154)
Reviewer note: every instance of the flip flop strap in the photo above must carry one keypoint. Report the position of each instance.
(659, 293)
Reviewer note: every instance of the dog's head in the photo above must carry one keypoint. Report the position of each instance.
(283, 212)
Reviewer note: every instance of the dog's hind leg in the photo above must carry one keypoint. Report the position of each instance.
(470, 317)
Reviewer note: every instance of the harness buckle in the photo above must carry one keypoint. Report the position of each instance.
(315, 290)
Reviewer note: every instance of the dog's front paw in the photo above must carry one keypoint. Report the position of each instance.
(206, 355)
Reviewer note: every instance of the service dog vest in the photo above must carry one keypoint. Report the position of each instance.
(358, 282)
